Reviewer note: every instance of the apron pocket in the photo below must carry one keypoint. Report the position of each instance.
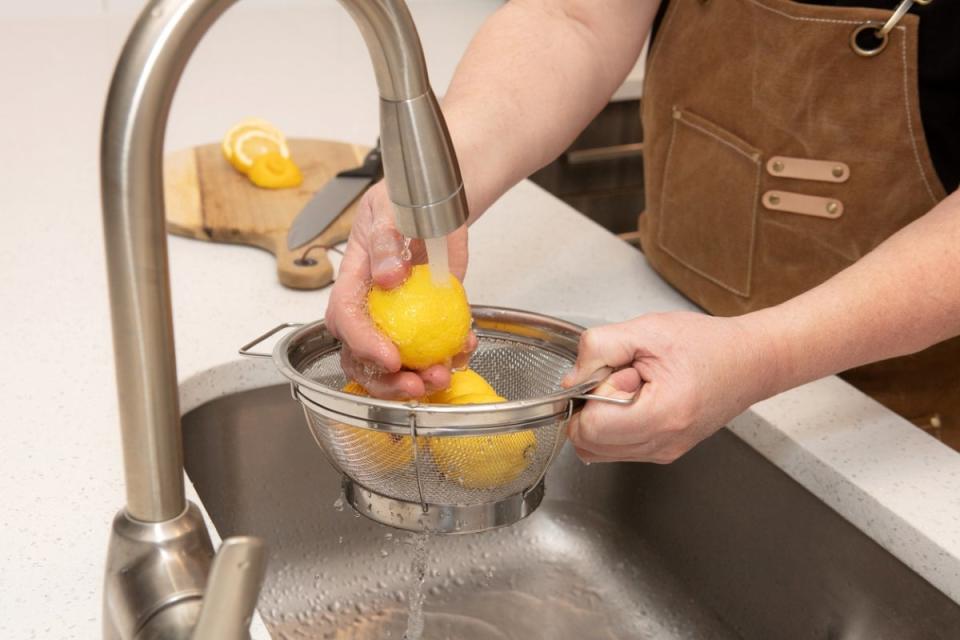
(708, 208)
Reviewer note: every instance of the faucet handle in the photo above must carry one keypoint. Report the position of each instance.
(232, 589)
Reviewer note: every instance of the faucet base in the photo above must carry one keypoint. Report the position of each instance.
(154, 568)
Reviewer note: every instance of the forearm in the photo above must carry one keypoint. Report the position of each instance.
(902, 297)
(534, 76)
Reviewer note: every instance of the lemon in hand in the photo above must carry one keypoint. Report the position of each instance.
(380, 451)
(483, 462)
(429, 323)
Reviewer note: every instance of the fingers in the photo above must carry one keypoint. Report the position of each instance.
(399, 385)
(605, 346)
(388, 267)
(347, 316)
(435, 378)
(349, 321)
(651, 452)
(604, 432)
(462, 359)
(613, 424)
(622, 384)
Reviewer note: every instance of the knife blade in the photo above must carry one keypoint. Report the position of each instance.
(329, 202)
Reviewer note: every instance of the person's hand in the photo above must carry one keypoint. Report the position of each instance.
(697, 371)
(375, 253)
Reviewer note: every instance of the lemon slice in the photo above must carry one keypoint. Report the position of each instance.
(249, 124)
(252, 144)
(273, 171)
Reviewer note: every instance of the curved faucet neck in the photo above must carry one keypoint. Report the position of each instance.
(419, 162)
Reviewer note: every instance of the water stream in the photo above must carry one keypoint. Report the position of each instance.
(417, 593)
(438, 259)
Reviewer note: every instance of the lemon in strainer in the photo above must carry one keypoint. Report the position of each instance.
(382, 451)
(484, 461)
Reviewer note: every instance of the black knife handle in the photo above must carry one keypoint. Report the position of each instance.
(372, 167)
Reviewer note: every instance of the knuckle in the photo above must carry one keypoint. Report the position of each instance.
(583, 345)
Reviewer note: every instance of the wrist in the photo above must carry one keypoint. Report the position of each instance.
(482, 172)
(772, 360)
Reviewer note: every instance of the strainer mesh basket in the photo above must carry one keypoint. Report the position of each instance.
(453, 469)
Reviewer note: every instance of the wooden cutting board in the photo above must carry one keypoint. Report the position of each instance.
(207, 199)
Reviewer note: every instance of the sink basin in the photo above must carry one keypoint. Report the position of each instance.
(720, 544)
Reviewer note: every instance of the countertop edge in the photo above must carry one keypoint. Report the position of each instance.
(856, 481)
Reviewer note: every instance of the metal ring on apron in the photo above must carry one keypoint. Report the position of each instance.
(881, 32)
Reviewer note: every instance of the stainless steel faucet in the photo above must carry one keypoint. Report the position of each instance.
(162, 580)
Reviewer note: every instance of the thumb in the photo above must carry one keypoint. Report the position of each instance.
(605, 346)
(386, 245)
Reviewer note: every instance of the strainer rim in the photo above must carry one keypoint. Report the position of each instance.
(565, 330)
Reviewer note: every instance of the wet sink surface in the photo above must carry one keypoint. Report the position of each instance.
(718, 545)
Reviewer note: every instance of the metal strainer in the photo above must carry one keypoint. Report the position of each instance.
(445, 468)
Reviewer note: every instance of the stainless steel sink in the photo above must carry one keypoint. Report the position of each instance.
(718, 545)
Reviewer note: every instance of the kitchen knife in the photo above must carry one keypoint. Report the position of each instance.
(333, 198)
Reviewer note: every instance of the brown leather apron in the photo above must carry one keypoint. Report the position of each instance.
(740, 96)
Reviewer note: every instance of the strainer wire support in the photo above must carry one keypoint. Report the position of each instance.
(557, 443)
(416, 459)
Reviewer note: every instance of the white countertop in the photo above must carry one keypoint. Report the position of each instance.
(61, 477)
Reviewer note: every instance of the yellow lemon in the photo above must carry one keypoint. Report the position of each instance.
(273, 171)
(462, 383)
(251, 139)
(355, 388)
(376, 450)
(248, 124)
(483, 462)
(252, 144)
(478, 398)
(428, 323)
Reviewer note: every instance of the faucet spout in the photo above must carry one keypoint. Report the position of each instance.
(423, 176)
(425, 187)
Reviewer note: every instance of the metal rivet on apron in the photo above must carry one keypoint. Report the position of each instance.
(772, 199)
(777, 166)
(860, 39)
(935, 421)
(832, 207)
(837, 172)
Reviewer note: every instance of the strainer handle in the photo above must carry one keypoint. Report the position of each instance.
(600, 376)
(245, 350)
